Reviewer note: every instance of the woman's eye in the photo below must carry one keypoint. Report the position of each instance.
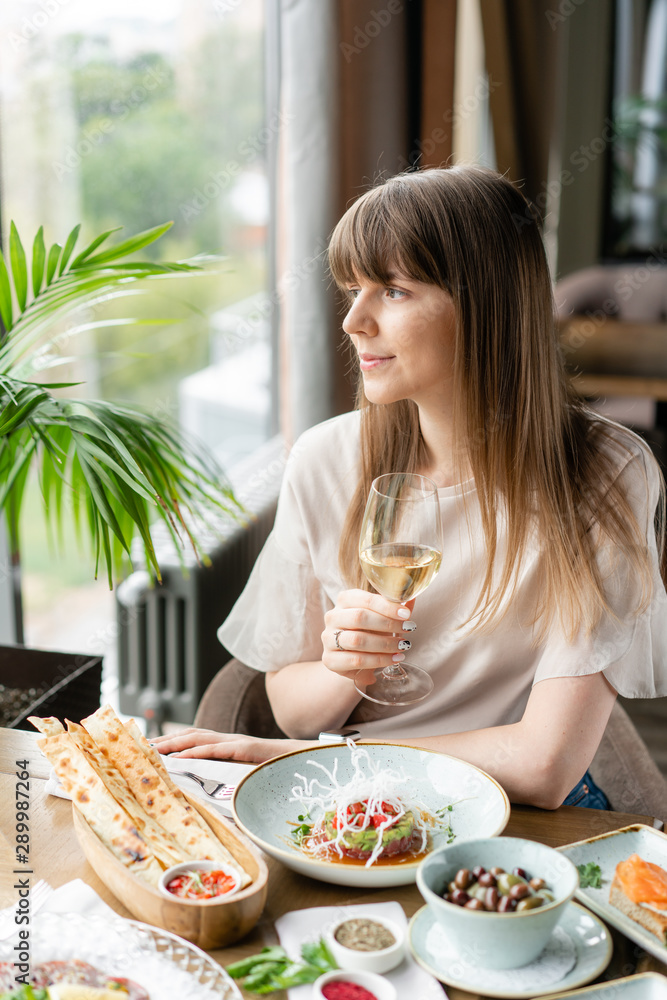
(352, 293)
(395, 293)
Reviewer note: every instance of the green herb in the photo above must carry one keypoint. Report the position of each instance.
(590, 876)
(316, 953)
(299, 833)
(445, 821)
(272, 969)
(241, 968)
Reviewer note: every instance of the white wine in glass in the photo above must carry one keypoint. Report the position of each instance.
(400, 550)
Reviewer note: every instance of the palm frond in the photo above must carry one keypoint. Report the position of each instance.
(119, 468)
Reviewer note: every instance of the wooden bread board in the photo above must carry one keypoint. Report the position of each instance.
(208, 925)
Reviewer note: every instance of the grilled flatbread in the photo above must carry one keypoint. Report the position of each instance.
(170, 809)
(103, 813)
(152, 755)
(49, 727)
(164, 847)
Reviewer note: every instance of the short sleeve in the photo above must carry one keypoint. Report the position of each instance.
(278, 619)
(630, 649)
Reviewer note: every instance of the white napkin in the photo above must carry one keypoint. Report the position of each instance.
(221, 770)
(298, 926)
(72, 897)
(77, 897)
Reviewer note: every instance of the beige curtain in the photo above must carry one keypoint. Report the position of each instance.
(351, 92)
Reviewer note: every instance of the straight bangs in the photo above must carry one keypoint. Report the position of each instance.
(382, 233)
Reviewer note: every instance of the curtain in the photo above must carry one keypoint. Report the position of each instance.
(308, 171)
(350, 111)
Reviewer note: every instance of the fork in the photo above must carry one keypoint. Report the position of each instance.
(39, 893)
(215, 789)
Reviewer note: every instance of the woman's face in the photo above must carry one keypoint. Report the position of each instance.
(404, 334)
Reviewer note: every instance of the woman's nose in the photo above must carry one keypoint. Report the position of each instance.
(360, 318)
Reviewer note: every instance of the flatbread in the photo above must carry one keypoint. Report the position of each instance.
(170, 809)
(164, 847)
(49, 727)
(103, 813)
(152, 755)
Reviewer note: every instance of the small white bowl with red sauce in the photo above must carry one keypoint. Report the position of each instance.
(339, 985)
(200, 881)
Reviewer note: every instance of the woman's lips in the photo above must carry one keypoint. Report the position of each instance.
(369, 361)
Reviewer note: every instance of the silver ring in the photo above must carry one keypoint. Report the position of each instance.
(336, 634)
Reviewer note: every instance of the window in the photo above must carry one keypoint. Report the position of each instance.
(130, 113)
(637, 217)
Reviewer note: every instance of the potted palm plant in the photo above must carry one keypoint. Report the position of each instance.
(118, 467)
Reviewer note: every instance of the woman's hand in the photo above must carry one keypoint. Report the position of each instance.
(209, 745)
(371, 632)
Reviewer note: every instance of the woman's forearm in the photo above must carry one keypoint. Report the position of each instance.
(537, 760)
(541, 758)
(528, 775)
(307, 698)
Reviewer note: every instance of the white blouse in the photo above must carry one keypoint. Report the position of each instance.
(480, 679)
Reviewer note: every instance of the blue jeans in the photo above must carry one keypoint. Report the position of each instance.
(586, 793)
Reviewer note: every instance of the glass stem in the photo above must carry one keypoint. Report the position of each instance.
(395, 669)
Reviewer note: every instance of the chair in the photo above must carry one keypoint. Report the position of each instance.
(629, 292)
(625, 770)
(236, 702)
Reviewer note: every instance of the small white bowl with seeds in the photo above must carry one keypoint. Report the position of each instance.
(366, 943)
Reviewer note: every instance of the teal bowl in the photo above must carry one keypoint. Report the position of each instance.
(487, 938)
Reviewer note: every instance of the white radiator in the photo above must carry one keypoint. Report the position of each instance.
(168, 650)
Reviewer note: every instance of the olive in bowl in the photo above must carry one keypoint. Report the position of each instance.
(200, 881)
(498, 930)
(366, 944)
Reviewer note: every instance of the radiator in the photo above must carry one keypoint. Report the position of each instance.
(168, 650)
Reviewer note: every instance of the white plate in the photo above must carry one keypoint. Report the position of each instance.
(164, 964)
(606, 851)
(586, 934)
(645, 986)
(263, 810)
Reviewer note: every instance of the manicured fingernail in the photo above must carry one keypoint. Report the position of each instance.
(405, 644)
(409, 626)
(403, 612)
(397, 657)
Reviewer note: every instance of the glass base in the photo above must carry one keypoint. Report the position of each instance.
(401, 684)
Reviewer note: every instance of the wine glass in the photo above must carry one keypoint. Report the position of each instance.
(400, 550)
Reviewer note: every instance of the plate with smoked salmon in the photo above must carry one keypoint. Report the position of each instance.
(624, 880)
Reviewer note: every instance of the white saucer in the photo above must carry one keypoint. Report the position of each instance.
(591, 940)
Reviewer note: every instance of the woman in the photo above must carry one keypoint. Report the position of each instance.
(550, 600)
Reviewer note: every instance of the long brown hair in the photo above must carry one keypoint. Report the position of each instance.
(532, 445)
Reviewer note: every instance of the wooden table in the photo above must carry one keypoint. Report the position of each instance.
(57, 857)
